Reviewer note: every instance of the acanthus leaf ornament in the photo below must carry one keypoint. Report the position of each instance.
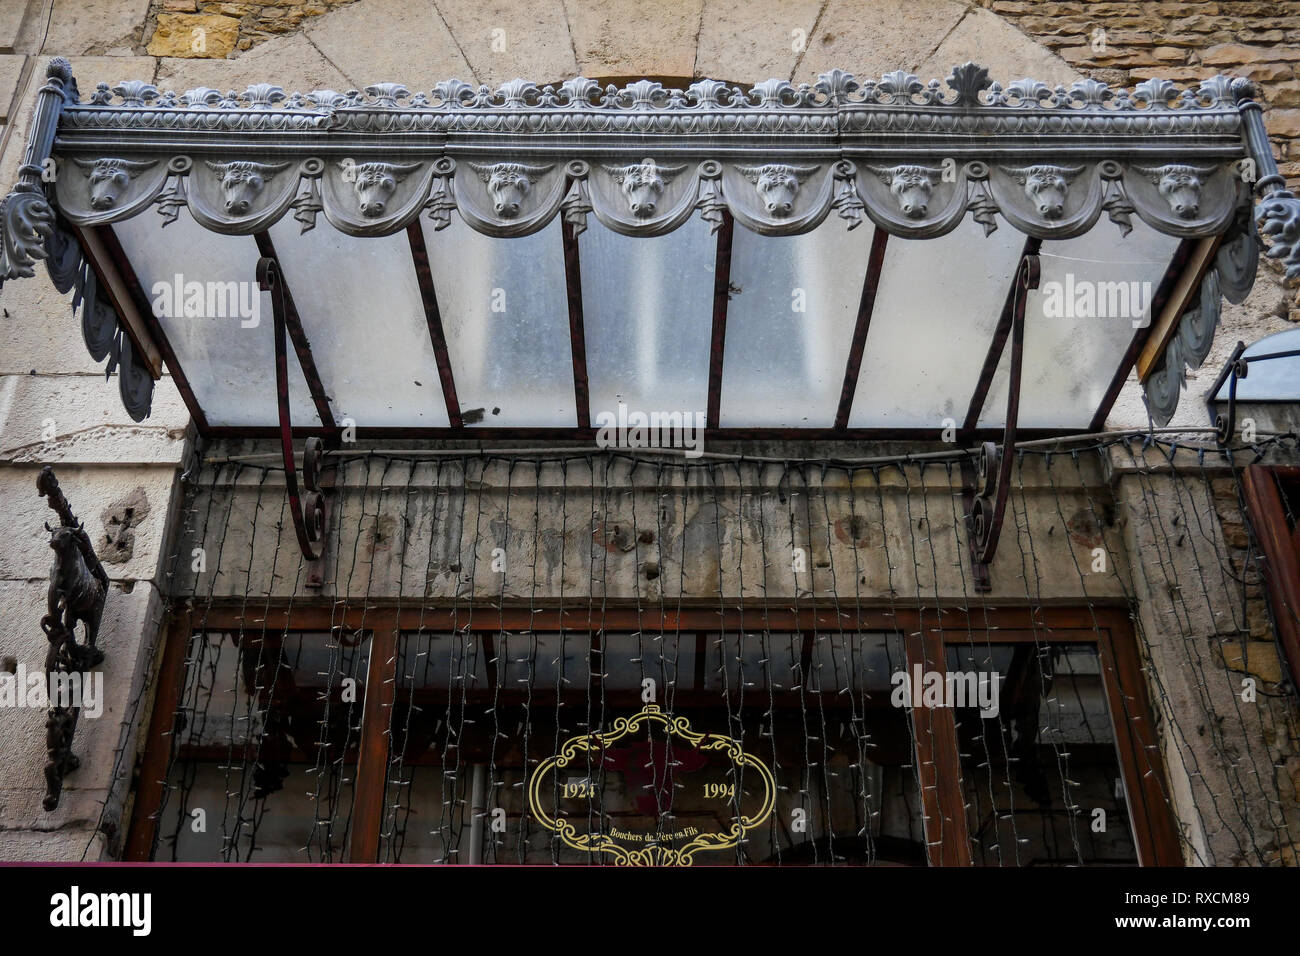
(1278, 216)
(27, 221)
(969, 80)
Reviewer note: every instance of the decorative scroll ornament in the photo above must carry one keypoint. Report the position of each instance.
(1279, 219)
(78, 590)
(690, 752)
(101, 328)
(1231, 277)
(26, 218)
(27, 221)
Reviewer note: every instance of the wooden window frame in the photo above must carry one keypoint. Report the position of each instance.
(927, 631)
(1281, 547)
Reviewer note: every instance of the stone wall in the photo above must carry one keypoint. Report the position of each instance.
(213, 30)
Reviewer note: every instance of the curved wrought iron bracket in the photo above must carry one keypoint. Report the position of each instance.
(1237, 368)
(989, 480)
(308, 509)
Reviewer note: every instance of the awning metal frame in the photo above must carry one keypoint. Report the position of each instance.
(986, 496)
(778, 158)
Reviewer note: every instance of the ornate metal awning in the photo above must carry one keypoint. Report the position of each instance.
(846, 259)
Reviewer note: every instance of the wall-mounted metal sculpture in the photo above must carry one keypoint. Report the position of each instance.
(78, 591)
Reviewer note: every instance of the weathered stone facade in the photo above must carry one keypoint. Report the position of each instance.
(225, 27)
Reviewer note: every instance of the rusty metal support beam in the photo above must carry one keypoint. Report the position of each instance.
(996, 347)
(866, 305)
(721, 299)
(986, 495)
(433, 317)
(577, 333)
(301, 346)
(308, 525)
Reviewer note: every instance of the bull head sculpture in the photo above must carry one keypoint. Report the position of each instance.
(911, 186)
(1179, 185)
(375, 183)
(109, 178)
(509, 183)
(777, 184)
(1045, 185)
(242, 181)
(643, 184)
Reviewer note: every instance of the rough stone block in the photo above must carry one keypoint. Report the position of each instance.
(80, 27)
(400, 39)
(197, 36)
(499, 47)
(291, 62)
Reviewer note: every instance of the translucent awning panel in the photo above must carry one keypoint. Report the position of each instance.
(935, 313)
(361, 309)
(505, 314)
(647, 315)
(794, 304)
(1274, 380)
(203, 286)
(1093, 295)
